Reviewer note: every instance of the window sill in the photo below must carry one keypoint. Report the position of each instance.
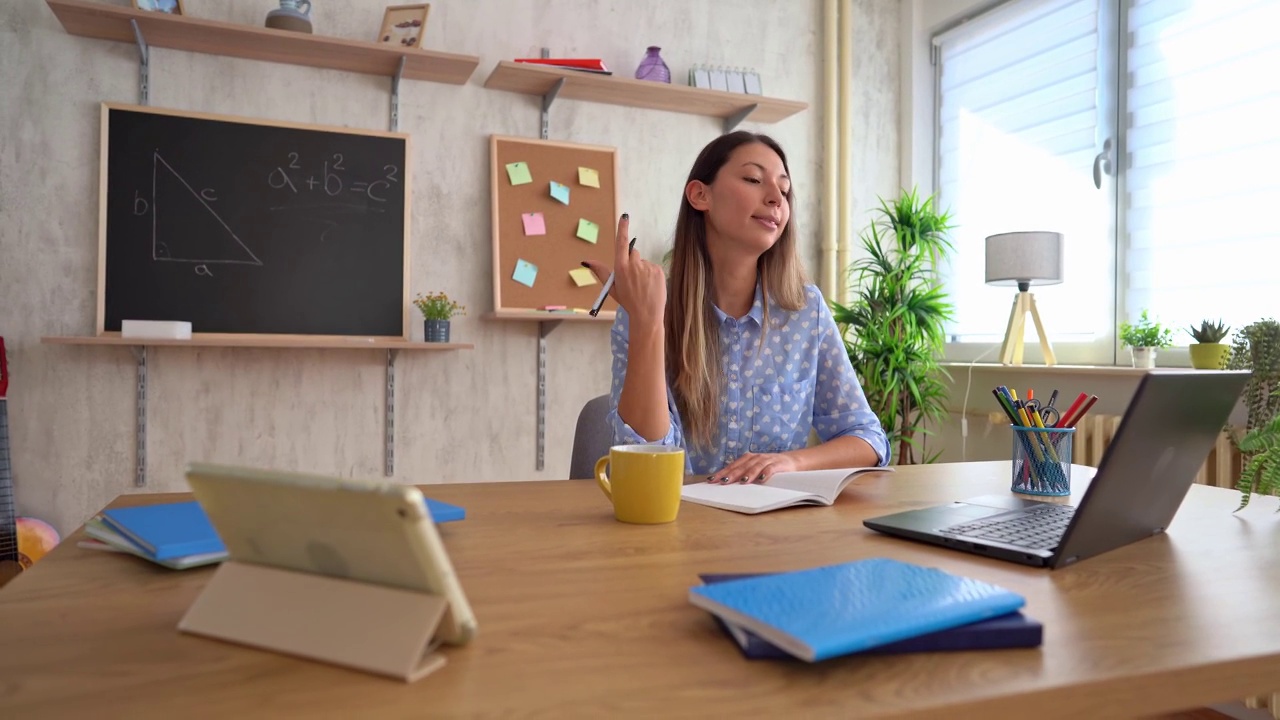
(1051, 369)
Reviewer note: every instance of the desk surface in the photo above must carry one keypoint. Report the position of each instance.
(582, 615)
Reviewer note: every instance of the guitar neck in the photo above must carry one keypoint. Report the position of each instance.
(8, 515)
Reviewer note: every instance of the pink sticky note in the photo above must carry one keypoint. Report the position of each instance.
(534, 224)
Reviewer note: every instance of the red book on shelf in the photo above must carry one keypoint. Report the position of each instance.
(577, 63)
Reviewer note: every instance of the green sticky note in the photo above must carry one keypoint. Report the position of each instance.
(519, 173)
(588, 231)
(526, 272)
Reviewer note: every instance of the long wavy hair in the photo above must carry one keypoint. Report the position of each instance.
(692, 333)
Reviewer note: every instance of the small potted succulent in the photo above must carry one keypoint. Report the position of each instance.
(1209, 352)
(1144, 338)
(437, 309)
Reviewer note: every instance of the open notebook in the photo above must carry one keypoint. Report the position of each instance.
(809, 487)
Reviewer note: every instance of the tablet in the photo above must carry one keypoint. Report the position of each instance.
(371, 531)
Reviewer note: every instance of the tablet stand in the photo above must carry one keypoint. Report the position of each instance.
(374, 628)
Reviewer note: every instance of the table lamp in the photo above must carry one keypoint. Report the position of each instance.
(1024, 259)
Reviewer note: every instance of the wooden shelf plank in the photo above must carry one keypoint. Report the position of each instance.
(313, 342)
(545, 316)
(538, 80)
(89, 18)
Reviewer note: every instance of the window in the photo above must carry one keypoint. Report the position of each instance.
(1159, 211)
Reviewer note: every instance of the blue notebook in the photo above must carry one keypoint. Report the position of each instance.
(166, 530)
(1014, 630)
(443, 512)
(835, 610)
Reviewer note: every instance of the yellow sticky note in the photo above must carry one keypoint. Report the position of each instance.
(588, 231)
(588, 177)
(519, 173)
(582, 277)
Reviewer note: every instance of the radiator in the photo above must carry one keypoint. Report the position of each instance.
(1095, 432)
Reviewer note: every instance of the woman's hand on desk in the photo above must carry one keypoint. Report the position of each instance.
(639, 286)
(754, 468)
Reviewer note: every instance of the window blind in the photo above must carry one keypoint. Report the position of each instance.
(1203, 148)
(1018, 117)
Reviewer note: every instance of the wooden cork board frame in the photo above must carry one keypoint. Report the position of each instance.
(560, 250)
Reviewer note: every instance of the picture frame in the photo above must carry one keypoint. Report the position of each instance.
(403, 25)
(169, 7)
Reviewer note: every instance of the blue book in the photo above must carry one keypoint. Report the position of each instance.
(167, 530)
(1014, 630)
(442, 512)
(835, 610)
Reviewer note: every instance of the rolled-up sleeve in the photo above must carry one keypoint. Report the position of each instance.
(624, 434)
(840, 405)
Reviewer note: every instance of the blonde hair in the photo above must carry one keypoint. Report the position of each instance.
(692, 333)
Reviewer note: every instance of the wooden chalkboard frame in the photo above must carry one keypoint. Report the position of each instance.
(284, 338)
(559, 251)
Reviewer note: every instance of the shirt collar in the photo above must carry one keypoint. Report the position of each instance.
(755, 313)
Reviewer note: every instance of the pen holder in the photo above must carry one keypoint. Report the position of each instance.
(1042, 460)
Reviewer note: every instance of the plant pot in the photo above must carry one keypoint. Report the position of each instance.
(1144, 357)
(1209, 356)
(435, 331)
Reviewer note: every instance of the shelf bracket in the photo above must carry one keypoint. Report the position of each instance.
(544, 329)
(736, 119)
(144, 64)
(140, 417)
(547, 99)
(389, 427)
(395, 95)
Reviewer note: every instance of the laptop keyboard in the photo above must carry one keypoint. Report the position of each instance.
(1039, 528)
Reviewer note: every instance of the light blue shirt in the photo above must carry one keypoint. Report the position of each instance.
(771, 395)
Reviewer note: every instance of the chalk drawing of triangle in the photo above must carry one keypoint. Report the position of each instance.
(185, 228)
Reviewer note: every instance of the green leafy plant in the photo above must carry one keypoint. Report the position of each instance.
(893, 327)
(1261, 474)
(1208, 332)
(437, 306)
(1145, 333)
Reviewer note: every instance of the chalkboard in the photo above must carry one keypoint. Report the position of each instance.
(244, 226)
(554, 205)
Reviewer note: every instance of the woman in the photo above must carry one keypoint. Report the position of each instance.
(743, 358)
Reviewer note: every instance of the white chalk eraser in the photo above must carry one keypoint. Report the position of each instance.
(162, 329)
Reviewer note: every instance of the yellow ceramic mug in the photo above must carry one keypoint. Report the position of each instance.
(644, 482)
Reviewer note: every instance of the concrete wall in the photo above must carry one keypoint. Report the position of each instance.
(462, 417)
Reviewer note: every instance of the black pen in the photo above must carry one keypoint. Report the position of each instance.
(608, 285)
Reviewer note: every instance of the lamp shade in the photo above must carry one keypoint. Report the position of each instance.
(1030, 258)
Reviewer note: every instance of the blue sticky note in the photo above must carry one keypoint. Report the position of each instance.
(526, 272)
(560, 192)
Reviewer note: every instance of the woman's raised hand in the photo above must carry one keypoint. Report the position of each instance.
(639, 286)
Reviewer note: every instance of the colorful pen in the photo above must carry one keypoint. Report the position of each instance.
(1076, 418)
(608, 285)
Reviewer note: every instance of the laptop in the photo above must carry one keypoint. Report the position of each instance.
(1166, 433)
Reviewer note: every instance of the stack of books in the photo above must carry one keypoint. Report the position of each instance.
(868, 606)
(179, 535)
(589, 65)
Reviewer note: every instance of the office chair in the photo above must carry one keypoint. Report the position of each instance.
(591, 438)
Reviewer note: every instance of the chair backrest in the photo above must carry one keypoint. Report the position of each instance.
(591, 439)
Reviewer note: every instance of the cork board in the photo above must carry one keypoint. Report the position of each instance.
(534, 229)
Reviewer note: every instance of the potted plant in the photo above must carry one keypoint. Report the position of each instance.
(893, 327)
(1256, 348)
(1209, 352)
(1261, 473)
(1144, 338)
(437, 309)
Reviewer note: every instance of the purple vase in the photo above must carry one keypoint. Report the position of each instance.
(652, 67)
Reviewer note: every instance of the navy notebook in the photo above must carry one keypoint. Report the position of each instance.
(1014, 630)
(835, 610)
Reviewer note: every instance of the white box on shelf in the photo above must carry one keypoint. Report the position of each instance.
(156, 329)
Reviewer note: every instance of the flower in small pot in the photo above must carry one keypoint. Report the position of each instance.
(437, 309)
(1145, 337)
(1209, 352)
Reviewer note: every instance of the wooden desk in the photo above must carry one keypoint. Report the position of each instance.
(582, 615)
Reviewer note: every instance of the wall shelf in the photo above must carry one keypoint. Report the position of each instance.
(553, 82)
(139, 346)
(89, 18)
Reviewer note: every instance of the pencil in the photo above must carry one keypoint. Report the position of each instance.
(1076, 418)
(608, 285)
